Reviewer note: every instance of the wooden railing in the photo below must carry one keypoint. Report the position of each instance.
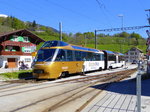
(13, 43)
(14, 53)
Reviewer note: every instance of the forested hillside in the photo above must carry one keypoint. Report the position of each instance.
(120, 42)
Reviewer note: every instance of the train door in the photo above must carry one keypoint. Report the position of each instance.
(70, 61)
(111, 61)
(78, 61)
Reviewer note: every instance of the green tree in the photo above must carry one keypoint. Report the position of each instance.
(34, 24)
(135, 35)
(17, 24)
(122, 34)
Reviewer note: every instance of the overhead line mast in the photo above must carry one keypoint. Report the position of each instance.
(124, 28)
(118, 29)
(148, 18)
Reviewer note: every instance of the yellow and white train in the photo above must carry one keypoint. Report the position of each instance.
(56, 59)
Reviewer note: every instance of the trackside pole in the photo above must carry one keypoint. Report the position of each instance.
(60, 30)
(138, 87)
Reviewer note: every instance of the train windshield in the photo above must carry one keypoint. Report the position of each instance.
(45, 55)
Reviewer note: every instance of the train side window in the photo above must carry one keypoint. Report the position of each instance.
(69, 55)
(78, 56)
(112, 58)
(102, 57)
(93, 57)
(61, 56)
(89, 56)
(97, 57)
(83, 56)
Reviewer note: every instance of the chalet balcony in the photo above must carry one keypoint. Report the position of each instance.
(14, 53)
(13, 43)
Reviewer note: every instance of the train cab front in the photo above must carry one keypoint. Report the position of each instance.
(47, 64)
(43, 62)
(40, 71)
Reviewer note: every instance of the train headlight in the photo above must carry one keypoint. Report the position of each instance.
(48, 63)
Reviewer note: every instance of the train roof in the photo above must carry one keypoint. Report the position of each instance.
(57, 43)
(84, 48)
(111, 52)
(121, 54)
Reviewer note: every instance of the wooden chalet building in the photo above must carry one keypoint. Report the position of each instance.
(134, 55)
(17, 46)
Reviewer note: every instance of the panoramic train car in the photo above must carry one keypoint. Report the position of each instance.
(56, 59)
(113, 59)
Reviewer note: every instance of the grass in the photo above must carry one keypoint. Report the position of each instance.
(16, 75)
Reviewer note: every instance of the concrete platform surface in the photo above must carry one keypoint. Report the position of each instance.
(121, 97)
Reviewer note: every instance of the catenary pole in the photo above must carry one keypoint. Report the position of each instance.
(148, 15)
(121, 16)
(60, 30)
(95, 39)
(138, 87)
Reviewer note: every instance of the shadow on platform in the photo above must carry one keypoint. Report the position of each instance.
(128, 87)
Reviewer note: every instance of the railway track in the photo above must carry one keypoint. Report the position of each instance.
(68, 91)
(23, 84)
(64, 103)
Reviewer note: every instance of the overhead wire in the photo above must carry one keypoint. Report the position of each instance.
(103, 9)
(72, 11)
(40, 6)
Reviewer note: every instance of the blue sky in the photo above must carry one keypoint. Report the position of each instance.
(80, 15)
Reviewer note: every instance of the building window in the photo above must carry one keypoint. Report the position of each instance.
(27, 59)
(133, 49)
(27, 49)
(16, 39)
(131, 53)
(26, 39)
(1, 47)
(8, 48)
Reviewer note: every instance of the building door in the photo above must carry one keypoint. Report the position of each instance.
(12, 63)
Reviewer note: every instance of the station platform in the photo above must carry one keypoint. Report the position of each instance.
(4, 70)
(121, 97)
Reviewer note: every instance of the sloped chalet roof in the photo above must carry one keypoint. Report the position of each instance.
(135, 48)
(23, 32)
